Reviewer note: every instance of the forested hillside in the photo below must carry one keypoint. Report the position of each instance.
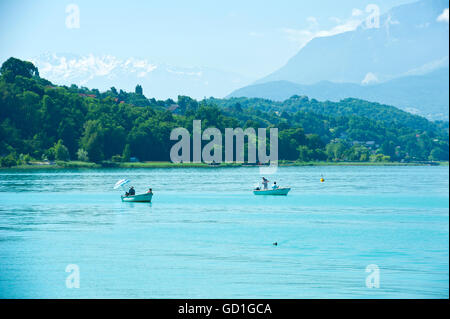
(40, 120)
(426, 94)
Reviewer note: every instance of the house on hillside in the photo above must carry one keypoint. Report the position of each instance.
(174, 108)
(87, 95)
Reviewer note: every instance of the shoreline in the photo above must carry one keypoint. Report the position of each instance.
(90, 165)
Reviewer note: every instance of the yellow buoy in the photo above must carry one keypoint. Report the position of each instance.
(322, 180)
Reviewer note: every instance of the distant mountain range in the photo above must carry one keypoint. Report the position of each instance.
(403, 62)
(158, 80)
(426, 95)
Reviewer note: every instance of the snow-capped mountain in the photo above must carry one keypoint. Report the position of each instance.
(159, 80)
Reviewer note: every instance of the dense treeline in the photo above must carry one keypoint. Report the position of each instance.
(39, 120)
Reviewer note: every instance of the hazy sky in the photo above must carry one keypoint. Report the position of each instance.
(252, 38)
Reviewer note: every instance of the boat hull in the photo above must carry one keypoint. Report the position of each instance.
(279, 191)
(141, 198)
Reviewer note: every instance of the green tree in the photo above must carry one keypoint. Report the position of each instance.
(139, 90)
(61, 151)
(82, 155)
(288, 142)
(379, 158)
(126, 153)
(358, 153)
(335, 151)
(388, 148)
(304, 153)
(13, 67)
(8, 161)
(94, 147)
(92, 140)
(438, 154)
(50, 154)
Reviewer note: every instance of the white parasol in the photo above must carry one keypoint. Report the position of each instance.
(121, 183)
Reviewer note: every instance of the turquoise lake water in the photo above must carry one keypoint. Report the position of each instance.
(207, 236)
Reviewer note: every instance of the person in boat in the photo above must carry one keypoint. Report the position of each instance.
(131, 192)
(275, 186)
(265, 182)
(149, 191)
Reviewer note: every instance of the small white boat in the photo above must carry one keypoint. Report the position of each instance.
(279, 191)
(141, 198)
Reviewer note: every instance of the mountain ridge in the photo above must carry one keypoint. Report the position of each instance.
(159, 78)
(426, 95)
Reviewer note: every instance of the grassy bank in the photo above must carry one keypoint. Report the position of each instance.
(287, 163)
(87, 165)
(55, 165)
(173, 165)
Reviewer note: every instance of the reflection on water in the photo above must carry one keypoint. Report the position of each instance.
(206, 235)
